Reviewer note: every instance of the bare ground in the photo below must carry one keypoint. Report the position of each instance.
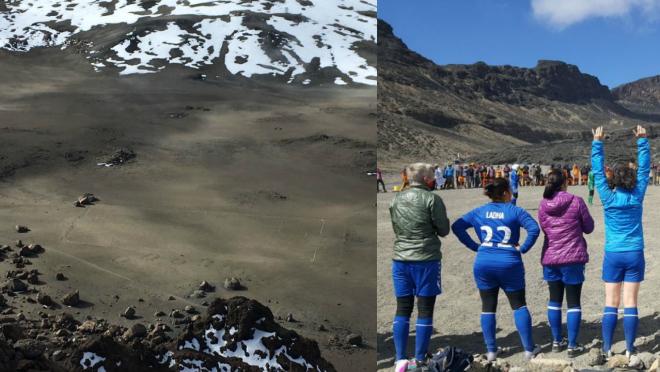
(263, 182)
(456, 320)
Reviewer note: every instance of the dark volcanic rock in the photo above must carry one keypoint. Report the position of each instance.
(71, 298)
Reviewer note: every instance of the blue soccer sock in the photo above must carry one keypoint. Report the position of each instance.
(573, 320)
(609, 325)
(423, 332)
(488, 328)
(523, 321)
(400, 330)
(630, 322)
(554, 318)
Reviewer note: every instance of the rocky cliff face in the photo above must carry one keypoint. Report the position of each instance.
(436, 113)
(642, 95)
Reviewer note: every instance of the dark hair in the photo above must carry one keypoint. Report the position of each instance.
(555, 182)
(496, 189)
(623, 177)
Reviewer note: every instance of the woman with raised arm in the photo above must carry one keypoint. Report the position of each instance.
(499, 262)
(564, 218)
(623, 264)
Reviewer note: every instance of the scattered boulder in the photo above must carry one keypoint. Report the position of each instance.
(647, 359)
(190, 309)
(60, 276)
(71, 298)
(22, 229)
(137, 330)
(159, 314)
(206, 286)
(595, 357)
(232, 284)
(44, 299)
(354, 339)
(129, 313)
(289, 318)
(15, 285)
(617, 361)
(31, 349)
(635, 362)
(88, 326)
(120, 157)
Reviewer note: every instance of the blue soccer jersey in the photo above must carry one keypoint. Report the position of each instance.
(498, 262)
(498, 226)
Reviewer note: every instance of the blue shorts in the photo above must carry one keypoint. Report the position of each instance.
(567, 274)
(503, 270)
(623, 267)
(416, 278)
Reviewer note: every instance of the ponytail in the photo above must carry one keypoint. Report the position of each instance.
(555, 182)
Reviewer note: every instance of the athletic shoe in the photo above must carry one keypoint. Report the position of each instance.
(572, 352)
(631, 353)
(491, 355)
(401, 365)
(558, 346)
(529, 355)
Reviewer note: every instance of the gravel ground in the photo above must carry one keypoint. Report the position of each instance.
(456, 320)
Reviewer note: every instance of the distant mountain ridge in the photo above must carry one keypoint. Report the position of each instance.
(642, 95)
(299, 41)
(435, 112)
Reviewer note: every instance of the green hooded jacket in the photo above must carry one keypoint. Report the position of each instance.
(418, 218)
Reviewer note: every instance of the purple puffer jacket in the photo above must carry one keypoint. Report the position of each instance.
(564, 219)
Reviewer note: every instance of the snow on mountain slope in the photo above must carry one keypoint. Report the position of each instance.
(249, 37)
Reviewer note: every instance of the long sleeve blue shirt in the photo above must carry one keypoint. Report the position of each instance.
(622, 208)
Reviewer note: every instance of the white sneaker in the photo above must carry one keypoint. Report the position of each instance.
(529, 355)
(401, 365)
(491, 355)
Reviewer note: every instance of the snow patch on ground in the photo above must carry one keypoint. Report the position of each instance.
(297, 34)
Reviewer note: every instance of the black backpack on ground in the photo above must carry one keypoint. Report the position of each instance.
(450, 359)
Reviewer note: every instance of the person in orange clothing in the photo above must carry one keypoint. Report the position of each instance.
(576, 174)
(404, 179)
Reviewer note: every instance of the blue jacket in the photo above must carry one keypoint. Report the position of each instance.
(498, 227)
(622, 208)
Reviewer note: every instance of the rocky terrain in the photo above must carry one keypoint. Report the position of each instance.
(642, 95)
(294, 41)
(236, 334)
(437, 113)
(139, 186)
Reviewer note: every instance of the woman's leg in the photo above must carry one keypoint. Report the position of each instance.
(574, 313)
(630, 317)
(424, 326)
(554, 309)
(522, 318)
(488, 315)
(401, 325)
(610, 313)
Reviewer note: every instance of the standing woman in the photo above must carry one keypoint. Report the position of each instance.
(499, 262)
(419, 219)
(564, 218)
(623, 264)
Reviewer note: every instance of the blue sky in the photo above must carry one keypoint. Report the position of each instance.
(618, 41)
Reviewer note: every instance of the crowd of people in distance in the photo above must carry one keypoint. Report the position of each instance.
(419, 220)
(472, 175)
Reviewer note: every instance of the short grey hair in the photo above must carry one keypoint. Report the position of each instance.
(418, 171)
